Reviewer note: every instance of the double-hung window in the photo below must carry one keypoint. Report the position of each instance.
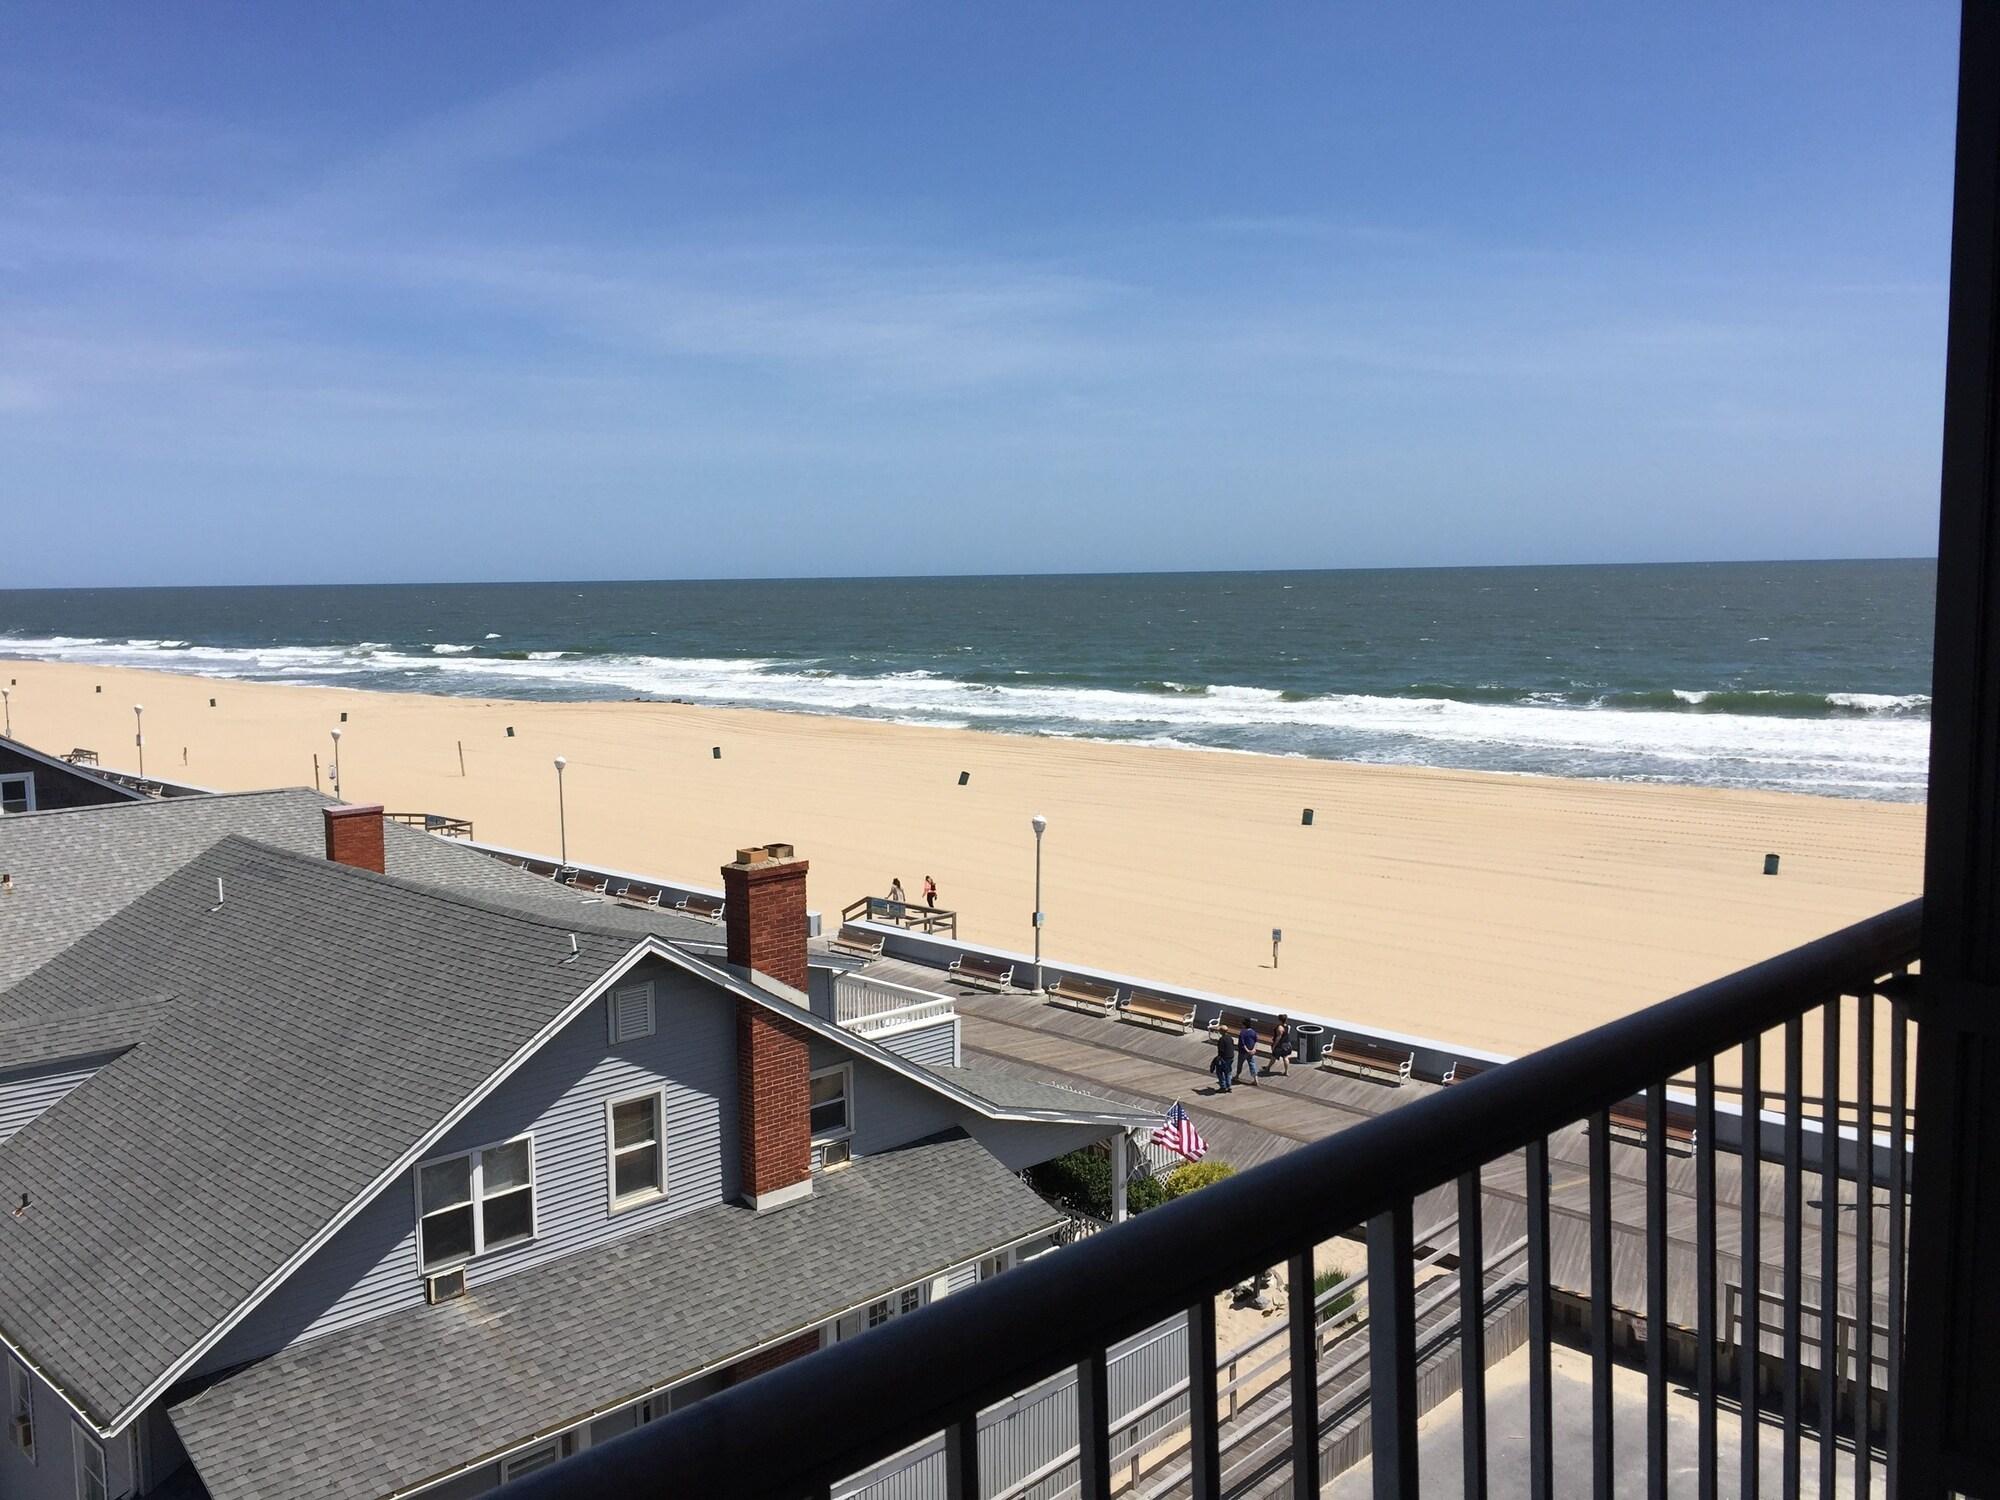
(17, 793)
(475, 1202)
(637, 1141)
(91, 1482)
(21, 1407)
(832, 1116)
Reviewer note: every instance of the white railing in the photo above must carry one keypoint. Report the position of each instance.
(872, 1006)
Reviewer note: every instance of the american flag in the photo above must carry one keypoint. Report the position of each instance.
(1178, 1135)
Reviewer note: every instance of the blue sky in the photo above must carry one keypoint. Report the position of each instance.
(343, 293)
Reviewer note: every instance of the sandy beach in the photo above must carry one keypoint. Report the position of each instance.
(1501, 912)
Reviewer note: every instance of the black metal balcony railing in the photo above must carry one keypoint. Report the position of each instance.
(802, 1429)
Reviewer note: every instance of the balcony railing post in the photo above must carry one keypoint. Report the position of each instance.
(1861, 1391)
(1750, 1347)
(1706, 1460)
(961, 1459)
(1392, 1354)
(1899, 1064)
(1304, 1378)
(1602, 1469)
(1541, 1417)
(1203, 1455)
(1093, 1427)
(1472, 1335)
(1656, 1291)
(1794, 1248)
(1829, 1249)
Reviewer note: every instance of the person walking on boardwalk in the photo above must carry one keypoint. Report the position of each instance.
(1225, 1057)
(1281, 1047)
(930, 892)
(1246, 1050)
(896, 894)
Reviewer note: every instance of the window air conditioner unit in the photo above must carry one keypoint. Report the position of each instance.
(444, 1286)
(22, 1428)
(835, 1154)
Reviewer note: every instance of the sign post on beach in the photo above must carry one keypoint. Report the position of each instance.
(1277, 937)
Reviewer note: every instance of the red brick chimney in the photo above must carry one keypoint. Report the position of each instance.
(765, 919)
(764, 912)
(354, 836)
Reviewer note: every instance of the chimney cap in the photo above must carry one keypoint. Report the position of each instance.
(764, 854)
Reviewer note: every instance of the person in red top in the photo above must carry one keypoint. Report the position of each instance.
(930, 891)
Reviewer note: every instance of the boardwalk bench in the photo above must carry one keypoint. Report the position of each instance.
(636, 893)
(859, 941)
(1157, 1010)
(81, 757)
(700, 906)
(540, 867)
(1084, 995)
(1627, 1119)
(987, 971)
(1364, 1056)
(1463, 1068)
(587, 881)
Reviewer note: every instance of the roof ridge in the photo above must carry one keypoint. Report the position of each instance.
(524, 911)
(198, 799)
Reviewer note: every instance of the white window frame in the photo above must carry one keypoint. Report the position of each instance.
(21, 1403)
(619, 1037)
(996, 1264)
(612, 1198)
(477, 1185)
(83, 1445)
(846, 1132)
(27, 779)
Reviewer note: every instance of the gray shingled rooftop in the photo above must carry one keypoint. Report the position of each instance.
(91, 1033)
(413, 1396)
(74, 867)
(328, 1019)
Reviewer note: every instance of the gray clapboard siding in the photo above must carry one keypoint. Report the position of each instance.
(891, 1110)
(52, 1473)
(559, 1096)
(23, 1096)
(934, 1046)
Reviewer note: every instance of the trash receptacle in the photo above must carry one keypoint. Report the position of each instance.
(1312, 1041)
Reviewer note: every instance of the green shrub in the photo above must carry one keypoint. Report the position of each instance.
(1079, 1182)
(1195, 1174)
(1142, 1193)
(1325, 1282)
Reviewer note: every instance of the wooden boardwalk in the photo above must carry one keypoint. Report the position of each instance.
(1013, 1032)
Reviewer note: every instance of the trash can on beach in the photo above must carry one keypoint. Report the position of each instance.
(1312, 1041)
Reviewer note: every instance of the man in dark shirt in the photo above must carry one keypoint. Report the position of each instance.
(1246, 1050)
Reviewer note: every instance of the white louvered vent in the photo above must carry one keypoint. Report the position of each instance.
(632, 1012)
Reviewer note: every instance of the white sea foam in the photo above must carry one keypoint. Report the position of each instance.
(1878, 747)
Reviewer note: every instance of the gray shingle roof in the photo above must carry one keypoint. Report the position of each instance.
(1005, 1091)
(91, 1033)
(415, 1395)
(329, 1018)
(75, 867)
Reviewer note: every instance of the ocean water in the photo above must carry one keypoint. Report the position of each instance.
(1809, 677)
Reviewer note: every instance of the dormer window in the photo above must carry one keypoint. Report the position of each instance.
(475, 1202)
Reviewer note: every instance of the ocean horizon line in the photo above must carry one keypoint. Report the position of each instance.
(974, 577)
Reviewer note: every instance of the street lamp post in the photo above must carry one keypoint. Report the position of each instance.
(562, 813)
(1041, 826)
(7, 703)
(139, 735)
(336, 762)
